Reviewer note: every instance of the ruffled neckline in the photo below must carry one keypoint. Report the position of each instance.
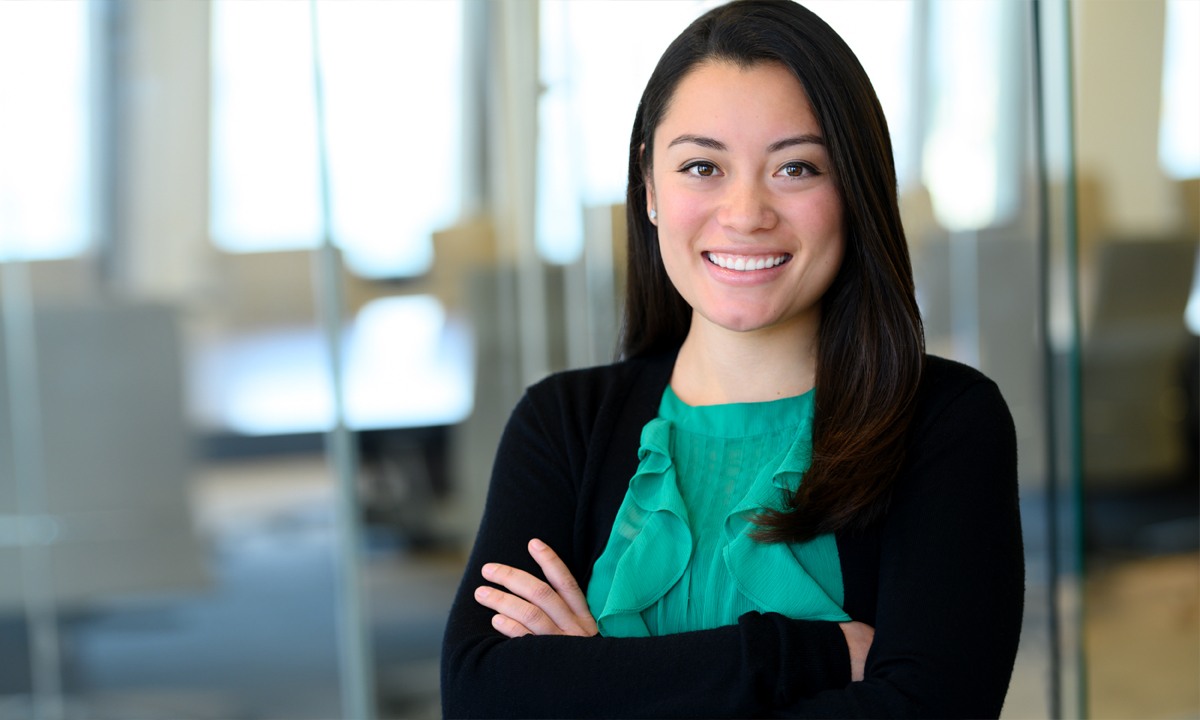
(736, 420)
(651, 542)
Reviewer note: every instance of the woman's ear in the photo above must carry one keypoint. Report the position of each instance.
(651, 205)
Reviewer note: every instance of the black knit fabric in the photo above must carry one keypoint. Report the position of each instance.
(940, 578)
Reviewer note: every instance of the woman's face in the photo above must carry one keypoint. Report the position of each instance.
(749, 218)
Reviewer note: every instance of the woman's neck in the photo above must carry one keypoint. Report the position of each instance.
(717, 366)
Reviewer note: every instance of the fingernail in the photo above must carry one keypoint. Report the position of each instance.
(489, 568)
(498, 621)
(482, 592)
(537, 544)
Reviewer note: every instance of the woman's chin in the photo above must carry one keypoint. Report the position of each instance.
(748, 321)
(742, 323)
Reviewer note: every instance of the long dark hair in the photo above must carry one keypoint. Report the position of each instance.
(871, 346)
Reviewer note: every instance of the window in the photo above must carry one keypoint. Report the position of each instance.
(966, 163)
(44, 190)
(1178, 141)
(391, 75)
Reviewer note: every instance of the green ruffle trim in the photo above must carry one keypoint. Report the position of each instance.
(651, 545)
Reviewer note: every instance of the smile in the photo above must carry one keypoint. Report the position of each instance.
(746, 263)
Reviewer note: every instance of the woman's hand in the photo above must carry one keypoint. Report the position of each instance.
(859, 637)
(535, 607)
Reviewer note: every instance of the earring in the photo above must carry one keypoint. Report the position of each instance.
(653, 214)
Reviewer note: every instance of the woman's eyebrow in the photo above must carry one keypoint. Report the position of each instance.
(798, 140)
(698, 140)
(712, 144)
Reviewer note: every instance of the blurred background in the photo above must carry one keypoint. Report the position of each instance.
(273, 275)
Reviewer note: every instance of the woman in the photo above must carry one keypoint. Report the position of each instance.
(771, 336)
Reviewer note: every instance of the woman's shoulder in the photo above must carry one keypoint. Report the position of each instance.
(594, 385)
(627, 390)
(954, 397)
(943, 382)
(581, 381)
(942, 374)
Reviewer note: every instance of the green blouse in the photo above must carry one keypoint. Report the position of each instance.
(679, 557)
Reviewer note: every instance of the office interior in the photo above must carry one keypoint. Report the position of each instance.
(273, 275)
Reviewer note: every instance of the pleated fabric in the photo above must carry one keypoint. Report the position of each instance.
(679, 557)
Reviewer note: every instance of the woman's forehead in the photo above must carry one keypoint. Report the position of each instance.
(720, 103)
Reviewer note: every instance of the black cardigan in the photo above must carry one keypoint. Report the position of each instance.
(940, 577)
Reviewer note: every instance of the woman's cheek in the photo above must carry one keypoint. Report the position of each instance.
(686, 217)
(669, 249)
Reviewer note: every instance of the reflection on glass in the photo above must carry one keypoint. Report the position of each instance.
(1138, 73)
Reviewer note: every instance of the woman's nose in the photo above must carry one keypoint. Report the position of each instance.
(746, 208)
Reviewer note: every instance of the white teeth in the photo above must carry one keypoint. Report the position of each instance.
(743, 263)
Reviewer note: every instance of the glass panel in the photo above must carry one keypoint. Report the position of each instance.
(192, 568)
(191, 565)
(1061, 547)
(175, 539)
(1138, 238)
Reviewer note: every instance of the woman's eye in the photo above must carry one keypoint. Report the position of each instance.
(796, 170)
(702, 169)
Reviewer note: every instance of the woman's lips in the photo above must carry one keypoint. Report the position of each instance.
(746, 263)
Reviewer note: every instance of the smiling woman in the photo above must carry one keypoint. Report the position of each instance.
(776, 503)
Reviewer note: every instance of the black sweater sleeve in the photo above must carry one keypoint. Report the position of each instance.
(763, 662)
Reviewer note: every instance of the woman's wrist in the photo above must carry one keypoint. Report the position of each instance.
(859, 637)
